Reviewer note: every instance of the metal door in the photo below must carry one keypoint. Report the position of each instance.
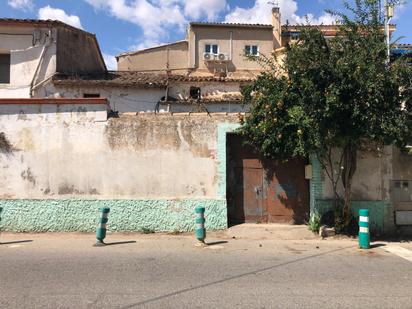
(264, 190)
(287, 191)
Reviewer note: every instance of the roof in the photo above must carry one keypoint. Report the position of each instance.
(240, 25)
(211, 78)
(50, 23)
(38, 22)
(113, 79)
(151, 48)
(57, 101)
(138, 79)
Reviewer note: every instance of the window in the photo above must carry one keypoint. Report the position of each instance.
(91, 95)
(4, 68)
(195, 93)
(252, 50)
(212, 48)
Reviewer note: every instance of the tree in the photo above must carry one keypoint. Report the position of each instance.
(332, 96)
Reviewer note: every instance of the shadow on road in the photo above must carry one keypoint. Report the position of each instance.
(120, 243)
(216, 243)
(15, 242)
(200, 286)
(377, 245)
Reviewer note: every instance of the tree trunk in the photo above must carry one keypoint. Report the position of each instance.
(349, 168)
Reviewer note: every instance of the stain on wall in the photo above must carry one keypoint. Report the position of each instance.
(5, 145)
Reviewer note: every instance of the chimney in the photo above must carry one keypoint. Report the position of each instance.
(277, 28)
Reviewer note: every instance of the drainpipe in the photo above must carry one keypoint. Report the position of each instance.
(231, 45)
(45, 47)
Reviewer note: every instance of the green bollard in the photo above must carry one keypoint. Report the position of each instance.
(101, 229)
(364, 236)
(200, 225)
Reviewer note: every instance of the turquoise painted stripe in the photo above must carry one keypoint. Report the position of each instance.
(377, 211)
(77, 215)
(222, 130)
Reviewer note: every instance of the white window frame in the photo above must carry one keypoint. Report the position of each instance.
(211, 48)
(251, 48)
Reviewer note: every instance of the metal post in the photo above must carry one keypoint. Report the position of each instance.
(101, 229)
(388, 14)
(200, 225)
(364, 236)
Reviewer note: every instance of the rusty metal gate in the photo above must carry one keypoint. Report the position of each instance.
(266, 191)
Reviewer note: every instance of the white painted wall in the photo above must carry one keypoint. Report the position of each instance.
(71, 151)
(25, 58)
(120, 98)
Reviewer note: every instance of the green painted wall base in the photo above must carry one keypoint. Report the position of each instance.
(125, 215)
(377, 212)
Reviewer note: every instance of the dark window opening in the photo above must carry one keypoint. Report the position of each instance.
(4, 68)
(212, 48)
(252, 50)
(195, 93)
(91, 95)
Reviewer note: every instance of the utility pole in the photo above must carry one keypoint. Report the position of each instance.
(388, 10)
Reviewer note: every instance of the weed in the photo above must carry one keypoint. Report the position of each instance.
(146, 230)
(314, 223)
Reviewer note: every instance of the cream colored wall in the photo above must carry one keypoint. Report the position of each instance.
(25, 58)
(156, 59)
(240, 36)
(372, 178)
(73, 151)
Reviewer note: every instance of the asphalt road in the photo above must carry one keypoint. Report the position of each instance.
(165, 271)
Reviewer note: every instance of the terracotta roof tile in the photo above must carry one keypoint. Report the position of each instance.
(139, 79)
(113, 79)
(242, 25)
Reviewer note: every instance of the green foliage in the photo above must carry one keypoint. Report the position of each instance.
(146, 230)
(314, 223)
(332, 94)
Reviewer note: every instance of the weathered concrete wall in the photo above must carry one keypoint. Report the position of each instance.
(78, 52)
(65, 161)
(373, 187)
(126, 99)
(76, 153)
(26, 55)
(371, 178)
(121, 99)
(167, 57)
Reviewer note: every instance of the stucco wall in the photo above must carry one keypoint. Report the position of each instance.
(371, 179)
(122, 99)
(76, 153)
(240, 38)
(64, 162)
(172, 57)
(25, 58)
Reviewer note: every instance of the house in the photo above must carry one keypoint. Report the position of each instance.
(33, 51)
(204, 72)
(63, 156)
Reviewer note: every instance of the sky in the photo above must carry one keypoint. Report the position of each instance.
(128, 25)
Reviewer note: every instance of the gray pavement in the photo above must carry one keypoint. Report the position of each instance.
(245, 267)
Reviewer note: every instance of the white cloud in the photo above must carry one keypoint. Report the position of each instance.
(210, 9)
(158, 18)
(48, 12)
(24, 5)
(261, 13)
(110, 61)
